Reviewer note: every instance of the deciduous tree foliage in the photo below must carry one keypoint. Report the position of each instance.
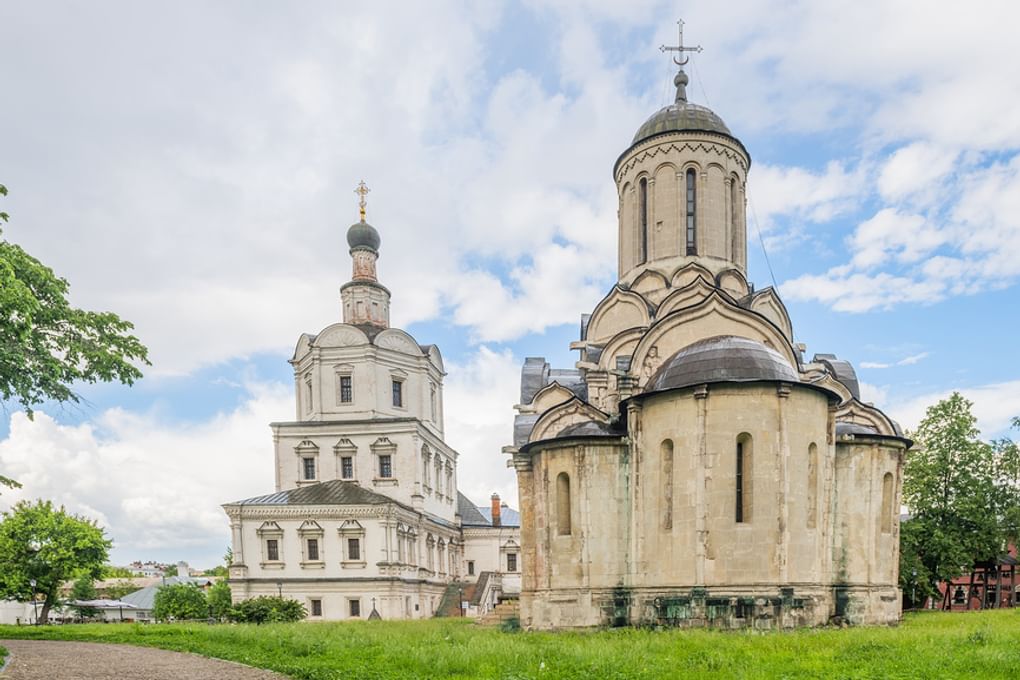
(180, 601)
(46, 345)
(960, 492)
(220, 601)
(38, 541)
(84, 588)
(268, 609)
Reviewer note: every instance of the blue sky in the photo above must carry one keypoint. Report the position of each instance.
(192, 168)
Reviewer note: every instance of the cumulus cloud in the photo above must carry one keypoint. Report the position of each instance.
(995, 405)
(153, 485)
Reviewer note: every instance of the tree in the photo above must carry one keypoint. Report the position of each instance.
(180, 601)
(220, 601)
(49, 546)
(117, 591)
(110, 571)
(268, 609)
(46, 345)
(951, 485)
(84, 589)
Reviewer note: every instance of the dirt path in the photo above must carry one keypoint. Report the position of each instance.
(51, 660)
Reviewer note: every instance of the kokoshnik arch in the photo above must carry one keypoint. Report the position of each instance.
(694, 468)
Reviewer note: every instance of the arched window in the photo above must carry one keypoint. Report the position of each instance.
(812, 486)
(735, 227)
(563, 504)
(643, 218)
(887, 503)
(666, 451)
(692, 247)
(744, 478)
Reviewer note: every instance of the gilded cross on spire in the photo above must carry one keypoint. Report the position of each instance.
(362, 191)
(679, 48)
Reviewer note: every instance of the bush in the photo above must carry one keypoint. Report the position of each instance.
(180, 601)
(220, 601)
(268, 609)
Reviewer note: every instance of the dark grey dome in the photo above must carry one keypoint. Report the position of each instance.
(363, 235)
(682, 116)
(723, 358)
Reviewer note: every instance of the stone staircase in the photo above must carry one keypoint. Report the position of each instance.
(450, 604)
(502, 612)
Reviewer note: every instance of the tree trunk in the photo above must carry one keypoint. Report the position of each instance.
(44, 613)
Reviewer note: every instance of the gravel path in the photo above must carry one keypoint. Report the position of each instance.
(50, 660)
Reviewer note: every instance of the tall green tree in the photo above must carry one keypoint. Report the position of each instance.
(952, 487)
(48, 346)
(84, 588)
(220, 600)
(47, 545)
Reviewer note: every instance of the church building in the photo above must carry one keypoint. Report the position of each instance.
(366, 519)
(695, 468)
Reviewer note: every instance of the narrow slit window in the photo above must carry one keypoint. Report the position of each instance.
(692, 247)
(743, 479)
(812, 490)
(643, 218)
(563, 504)
(887, 503)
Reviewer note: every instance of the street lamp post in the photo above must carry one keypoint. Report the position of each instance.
(913, 590)
(35, 601)
(279, 588)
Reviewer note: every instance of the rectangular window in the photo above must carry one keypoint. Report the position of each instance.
(740, 482)
(471, 567)
(309, 467)
(511, 562)
(313, 549)
(354, 606)
(353, 549)
(316, 607)
(346, 467)
(398, 393)
(432, 401)
(272, 550)
(346, 389)
(385, 466)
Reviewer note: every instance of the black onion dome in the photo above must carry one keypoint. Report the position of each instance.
(723, 358)
(363, 235)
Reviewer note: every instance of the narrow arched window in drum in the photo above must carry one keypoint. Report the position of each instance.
(812, 486)
(643, 218)
(666, 451)
(744, 479)
(887, 503)
(563, 504)
(692, 247)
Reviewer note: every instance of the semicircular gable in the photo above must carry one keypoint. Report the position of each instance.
(688, 296)
(621, 344)
(398, 341)
(551, 395)
(687, 273)
(767, 303)
(653, 286)
(857, 413)
(437, 358)
(304, 344)
(553, 421)
(619, 309)
(829, 383)
(340, 335)
(713, 316)
(733, 282)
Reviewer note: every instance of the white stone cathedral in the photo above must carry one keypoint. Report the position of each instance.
(366, 519)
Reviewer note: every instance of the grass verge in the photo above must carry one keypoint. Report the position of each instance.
(971, 645)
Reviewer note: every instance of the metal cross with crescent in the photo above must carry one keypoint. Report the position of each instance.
(680, 49)
(362, 191)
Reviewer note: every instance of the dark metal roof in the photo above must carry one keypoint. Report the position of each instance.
(508, 517)
(681, 117)
(854, 428)
(468, 511)
(723, 358)
(587, 428)
(334, 492)
(841, 370)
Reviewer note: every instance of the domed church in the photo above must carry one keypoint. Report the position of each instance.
(695, 468)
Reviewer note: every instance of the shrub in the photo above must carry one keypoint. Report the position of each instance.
(220, 601)
(268, 609)
(180, 601)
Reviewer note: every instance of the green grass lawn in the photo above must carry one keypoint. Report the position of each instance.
(930, 645)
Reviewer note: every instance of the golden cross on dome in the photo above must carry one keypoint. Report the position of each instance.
(680, 49)
(362, 191)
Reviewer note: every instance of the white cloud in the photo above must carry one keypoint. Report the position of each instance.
(905, 361)
(995, 405)
(801, 194)
(153, 485)
(478, 395)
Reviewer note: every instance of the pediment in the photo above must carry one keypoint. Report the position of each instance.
(398, 341)
(573, 412)
(340, 335)
(382, 443)
(351, 526)
(767, 303)
(306, 446)
(310, 526)
(269, 528)
(713, 316)
(857, 413)
(551, 395)
(620, 309)
(345, 445)
(733, 282)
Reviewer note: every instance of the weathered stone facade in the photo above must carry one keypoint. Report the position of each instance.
(694, 469)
